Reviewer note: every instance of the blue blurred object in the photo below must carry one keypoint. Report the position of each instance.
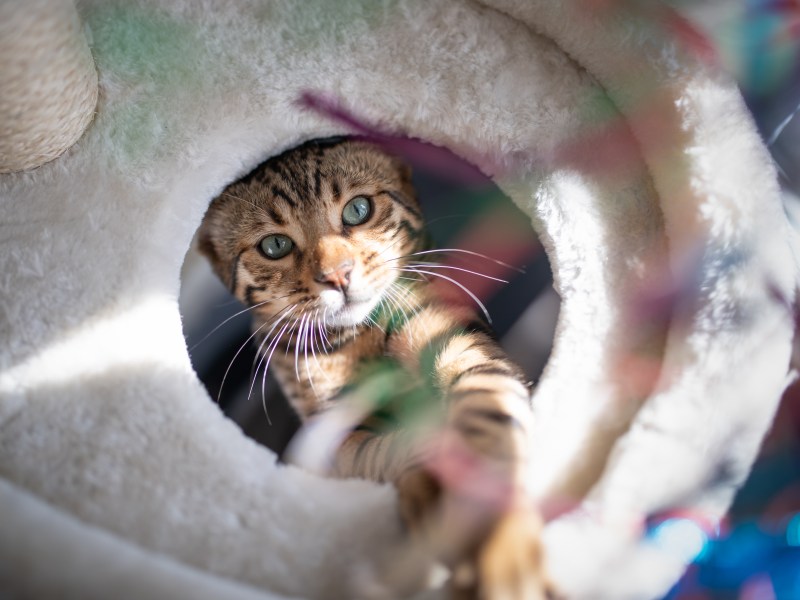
(747, 564)
(757, 555)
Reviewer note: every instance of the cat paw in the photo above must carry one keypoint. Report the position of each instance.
(474, 518)
(418, 494)
(508, 565)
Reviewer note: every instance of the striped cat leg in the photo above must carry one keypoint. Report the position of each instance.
(392, 457)
(491, 544)
(461, 493)
(375, 456)
(489, 421)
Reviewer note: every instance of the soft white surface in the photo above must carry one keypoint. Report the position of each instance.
(89, 562)
(694, 439)
(102, 417)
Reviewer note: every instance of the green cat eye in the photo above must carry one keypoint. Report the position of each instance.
(276, 246)
(357, 211)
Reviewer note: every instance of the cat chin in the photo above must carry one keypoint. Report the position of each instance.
(351, 314)
(347, 314)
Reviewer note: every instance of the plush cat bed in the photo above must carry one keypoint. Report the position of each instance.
(637, 162)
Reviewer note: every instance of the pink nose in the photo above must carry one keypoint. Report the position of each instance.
(339, 277)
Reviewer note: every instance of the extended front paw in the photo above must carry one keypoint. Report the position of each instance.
(508, 565)
(418, 495)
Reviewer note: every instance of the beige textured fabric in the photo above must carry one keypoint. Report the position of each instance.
(48, 83)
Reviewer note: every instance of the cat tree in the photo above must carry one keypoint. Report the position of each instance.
(117, 472)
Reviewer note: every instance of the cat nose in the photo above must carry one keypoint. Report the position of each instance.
(339, 277)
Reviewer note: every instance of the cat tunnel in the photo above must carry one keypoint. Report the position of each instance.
(634, 156)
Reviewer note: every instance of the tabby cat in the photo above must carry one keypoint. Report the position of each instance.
(326, 243)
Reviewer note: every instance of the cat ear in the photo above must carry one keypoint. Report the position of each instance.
(204, 244)
(206, 247)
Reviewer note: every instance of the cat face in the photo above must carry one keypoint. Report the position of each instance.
(319, 230)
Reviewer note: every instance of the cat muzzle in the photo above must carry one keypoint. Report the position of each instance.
(338, 278)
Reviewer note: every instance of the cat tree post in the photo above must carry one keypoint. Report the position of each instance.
(48, 83)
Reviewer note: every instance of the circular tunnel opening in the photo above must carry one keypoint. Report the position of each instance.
(491, 238)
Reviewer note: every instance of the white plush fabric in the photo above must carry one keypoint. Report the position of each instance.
(104, 422)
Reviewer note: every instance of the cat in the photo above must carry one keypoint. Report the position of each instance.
(326, 243)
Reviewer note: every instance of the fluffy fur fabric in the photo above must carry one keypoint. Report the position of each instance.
(111, 454)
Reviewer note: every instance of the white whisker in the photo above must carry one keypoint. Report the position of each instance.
(460, 251)
(280, 317)
(317, 330)
(242, 347)
(454, 282)
(273, 344)
(405, 294)
(398, 294)
(306, 333)
(372, 322)
(264, 395)
(291, 334)
(241, 312)
(324, 330)
(441, 266)
(270, 349)
(297, 348)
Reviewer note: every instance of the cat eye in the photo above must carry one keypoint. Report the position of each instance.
(276, 246)
(357, 211)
